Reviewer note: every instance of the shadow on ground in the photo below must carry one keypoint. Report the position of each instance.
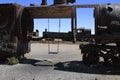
(76, 66)
(79, 67)
(36, 62)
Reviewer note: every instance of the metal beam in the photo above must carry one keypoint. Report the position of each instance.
(86, 5)
(62, 11)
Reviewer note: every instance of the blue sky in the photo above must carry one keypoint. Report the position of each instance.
(84, 16)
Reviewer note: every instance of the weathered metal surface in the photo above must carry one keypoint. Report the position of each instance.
(15, 26)
(62, 11)
(107, 25)
(93, 52)
(5, 18)
(58, 2)
(107, 31)
(83, 35)
(86, 5)
(58, 35)
(7, 22)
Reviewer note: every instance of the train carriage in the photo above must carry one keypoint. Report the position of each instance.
(16, 27)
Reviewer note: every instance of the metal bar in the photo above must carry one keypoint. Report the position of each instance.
(86, 5)
(73, 25)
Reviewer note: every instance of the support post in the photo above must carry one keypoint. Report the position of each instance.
(73, 24)
(75, 19)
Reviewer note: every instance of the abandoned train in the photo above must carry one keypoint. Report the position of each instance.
(16, 26)
(82, 34)
(105, 45)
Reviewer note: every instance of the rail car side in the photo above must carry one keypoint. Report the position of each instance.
(16, 26)
(106, 41)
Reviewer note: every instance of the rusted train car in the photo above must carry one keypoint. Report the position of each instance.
(58, 35)
(16, 26)
(105, 44)
(82, 34)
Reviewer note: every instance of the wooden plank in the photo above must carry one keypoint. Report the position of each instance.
(62, 11)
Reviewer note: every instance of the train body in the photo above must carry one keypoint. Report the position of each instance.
(105, 44)
(16, 26)
(82, 34)
(107, 23)
(57, 35)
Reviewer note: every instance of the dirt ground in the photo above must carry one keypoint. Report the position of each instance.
(65, 65)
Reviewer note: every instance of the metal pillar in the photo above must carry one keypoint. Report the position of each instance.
(73, 24)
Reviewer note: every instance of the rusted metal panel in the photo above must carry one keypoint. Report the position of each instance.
(15, 25)
(86, 5)
(107, 25)
(62, 11)
(7, 17)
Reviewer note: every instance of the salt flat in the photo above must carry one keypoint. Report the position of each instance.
(66, 65)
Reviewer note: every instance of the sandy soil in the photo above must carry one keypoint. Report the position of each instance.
(65, 65)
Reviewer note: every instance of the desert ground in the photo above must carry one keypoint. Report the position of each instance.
(65, 65)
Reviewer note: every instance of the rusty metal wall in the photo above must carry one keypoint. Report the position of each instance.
(107, 23)
(15, 25)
